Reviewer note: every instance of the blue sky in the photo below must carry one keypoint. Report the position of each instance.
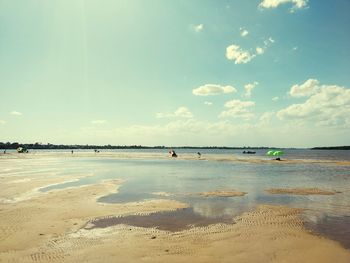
(161, 72)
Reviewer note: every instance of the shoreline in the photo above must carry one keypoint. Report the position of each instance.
(164, 156)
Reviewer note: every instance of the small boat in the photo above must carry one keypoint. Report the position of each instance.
(249, 152)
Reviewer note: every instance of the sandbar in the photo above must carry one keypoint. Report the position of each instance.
(234, 158)
(27, 223)
(268, 233)
(301, 191)
(165, 194)
(222, 193)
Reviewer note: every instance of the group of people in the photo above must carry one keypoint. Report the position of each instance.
(96, 151)
(173, 153)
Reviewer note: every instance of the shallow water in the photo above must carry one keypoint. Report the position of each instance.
(185, 179)
(330, 225)
(173, 221)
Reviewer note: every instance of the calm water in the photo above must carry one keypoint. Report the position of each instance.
(290, 153)
(184, 179)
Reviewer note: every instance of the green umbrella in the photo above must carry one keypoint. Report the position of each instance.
(270, 153)
(278, 153)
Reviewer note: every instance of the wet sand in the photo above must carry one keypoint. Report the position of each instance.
(165, 194)
(223, 193)
(301, 191)
(51, 226)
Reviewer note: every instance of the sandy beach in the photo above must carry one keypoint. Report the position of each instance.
(174, 131)
(50, 226)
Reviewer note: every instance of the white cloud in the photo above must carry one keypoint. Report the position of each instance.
(328, 105)
(186, 128)
(241, 56)
(297, 4)
(306, 89)
(98, 121)
(213, 89)
(198, 28)
(265, 118)
(16, 113)
(243, 32)
(268, 42)
(208, 103)
(2, 122)
(160, 115)
(239, 104)
(249, 87)
(238, 109)
(234, 52)
(181, 112)
(260, 50)
(261, 131)
(275, 98)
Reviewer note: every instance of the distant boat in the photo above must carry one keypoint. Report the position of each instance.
(249, 152)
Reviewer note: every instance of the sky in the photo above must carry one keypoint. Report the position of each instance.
(175, 73)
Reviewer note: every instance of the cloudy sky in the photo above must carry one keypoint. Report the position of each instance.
(184, 72)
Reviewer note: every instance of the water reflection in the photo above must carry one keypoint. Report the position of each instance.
(184, 179)
(178, 220)
(333, 226)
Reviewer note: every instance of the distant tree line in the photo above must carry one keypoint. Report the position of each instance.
(332, 148)
(48, 146)
(15, 145)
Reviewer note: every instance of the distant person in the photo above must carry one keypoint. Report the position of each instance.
(5, 152)
(72, 151)
(172, 153)
(199, 154)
